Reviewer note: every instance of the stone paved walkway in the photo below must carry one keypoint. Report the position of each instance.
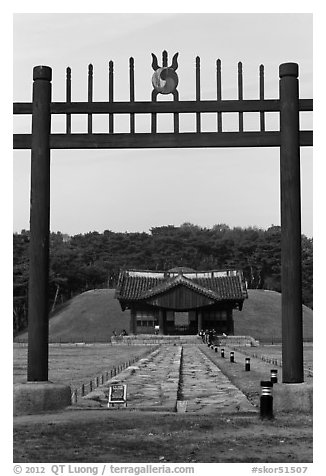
(153, 383)
(205, 388)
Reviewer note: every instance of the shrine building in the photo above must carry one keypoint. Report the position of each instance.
(181, 300)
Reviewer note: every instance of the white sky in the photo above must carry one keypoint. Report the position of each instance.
(127, 190)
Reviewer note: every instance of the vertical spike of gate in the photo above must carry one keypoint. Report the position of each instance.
(198, 121)
(153, 114)
(240, 94)
(68, 99)
(219, 93)
(132, 92)
(176, 114)
(261, 95)
(164, 59)
(111, 123)
(90, 98)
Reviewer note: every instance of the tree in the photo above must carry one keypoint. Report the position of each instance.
(93, 259)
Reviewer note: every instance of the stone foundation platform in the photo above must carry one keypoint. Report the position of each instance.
(38, 397)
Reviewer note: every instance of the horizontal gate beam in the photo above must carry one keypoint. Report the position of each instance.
(162, 140)
(147, 107)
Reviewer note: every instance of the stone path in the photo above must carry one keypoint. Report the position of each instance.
(205, 388)
(152, 382)
(157, 382)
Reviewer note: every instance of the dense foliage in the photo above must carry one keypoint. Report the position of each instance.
(93, 260)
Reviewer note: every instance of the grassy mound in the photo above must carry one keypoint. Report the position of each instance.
(94, 315)
(261, 317)
(89, 317)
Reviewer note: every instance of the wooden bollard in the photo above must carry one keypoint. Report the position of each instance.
(83, 390)
(232, 357)
(97, 382)
(222, 353)
(90, 385)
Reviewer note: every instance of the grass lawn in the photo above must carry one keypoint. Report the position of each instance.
(76, 364)
(275, 352)
(119, 436)
(140, 437)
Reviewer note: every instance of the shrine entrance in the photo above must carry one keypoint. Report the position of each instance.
(165, 81)
(179, 301)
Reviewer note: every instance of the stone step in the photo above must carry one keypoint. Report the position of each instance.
(150, 339)
(146, 339)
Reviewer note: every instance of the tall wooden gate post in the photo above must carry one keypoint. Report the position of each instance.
(38, 303)
(292, 334)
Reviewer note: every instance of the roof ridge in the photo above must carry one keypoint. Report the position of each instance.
(139, 287)
(175, 281)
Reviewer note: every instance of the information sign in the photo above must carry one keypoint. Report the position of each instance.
(117, 394)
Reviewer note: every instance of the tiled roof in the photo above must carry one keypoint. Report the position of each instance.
(219, 286)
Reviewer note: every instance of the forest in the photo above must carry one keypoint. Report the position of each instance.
(93, 260)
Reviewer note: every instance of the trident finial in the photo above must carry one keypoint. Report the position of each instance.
(165, 80)
(174, 64)
(155, 65)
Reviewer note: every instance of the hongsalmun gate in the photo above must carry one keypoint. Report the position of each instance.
(177, 300)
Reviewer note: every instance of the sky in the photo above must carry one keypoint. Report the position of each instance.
(134, 190)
